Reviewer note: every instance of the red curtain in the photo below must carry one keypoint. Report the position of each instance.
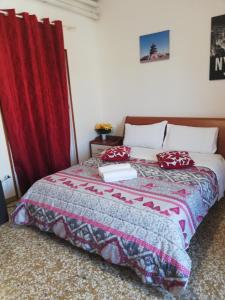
(33, 95)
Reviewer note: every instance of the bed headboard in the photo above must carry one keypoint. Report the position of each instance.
(198, 122)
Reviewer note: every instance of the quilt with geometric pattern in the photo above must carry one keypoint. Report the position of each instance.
(144, 223)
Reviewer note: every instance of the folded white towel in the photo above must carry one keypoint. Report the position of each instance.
(123, 174)
(114, 167)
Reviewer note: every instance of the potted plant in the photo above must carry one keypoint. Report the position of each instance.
(103, 129)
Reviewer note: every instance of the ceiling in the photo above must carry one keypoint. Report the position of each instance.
(87, 8)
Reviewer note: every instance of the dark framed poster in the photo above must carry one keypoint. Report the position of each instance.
(217, 51)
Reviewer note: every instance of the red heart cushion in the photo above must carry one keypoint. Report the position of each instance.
(118, 153)
(174, 160)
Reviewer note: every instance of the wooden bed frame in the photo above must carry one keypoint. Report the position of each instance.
(198, 122)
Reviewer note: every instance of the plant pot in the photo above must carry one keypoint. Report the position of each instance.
(103, 136)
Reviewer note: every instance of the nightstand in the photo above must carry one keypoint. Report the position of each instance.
(98, 145)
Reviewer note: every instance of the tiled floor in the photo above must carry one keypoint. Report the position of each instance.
(35, 265)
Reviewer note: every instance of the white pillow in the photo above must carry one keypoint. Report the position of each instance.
(188, 138)
(150, 136)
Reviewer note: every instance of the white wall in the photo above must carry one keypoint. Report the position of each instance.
(5, 164)
(83, 64)
(179, 86)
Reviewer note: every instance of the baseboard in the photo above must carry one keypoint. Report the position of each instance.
(11, 199)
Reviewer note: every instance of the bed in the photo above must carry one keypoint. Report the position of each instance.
(145, 223)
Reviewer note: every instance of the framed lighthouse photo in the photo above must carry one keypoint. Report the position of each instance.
(154, 46)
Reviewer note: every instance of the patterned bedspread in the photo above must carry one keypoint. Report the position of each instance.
(145, 223)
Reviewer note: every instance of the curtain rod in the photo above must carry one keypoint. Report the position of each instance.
(21, 17)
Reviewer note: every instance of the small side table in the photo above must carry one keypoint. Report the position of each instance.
(3, 210)
(98, 145)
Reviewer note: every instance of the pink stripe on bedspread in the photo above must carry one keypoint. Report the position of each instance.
(183, 205)
(128, 237)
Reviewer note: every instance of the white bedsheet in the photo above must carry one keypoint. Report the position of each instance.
(215, 162)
